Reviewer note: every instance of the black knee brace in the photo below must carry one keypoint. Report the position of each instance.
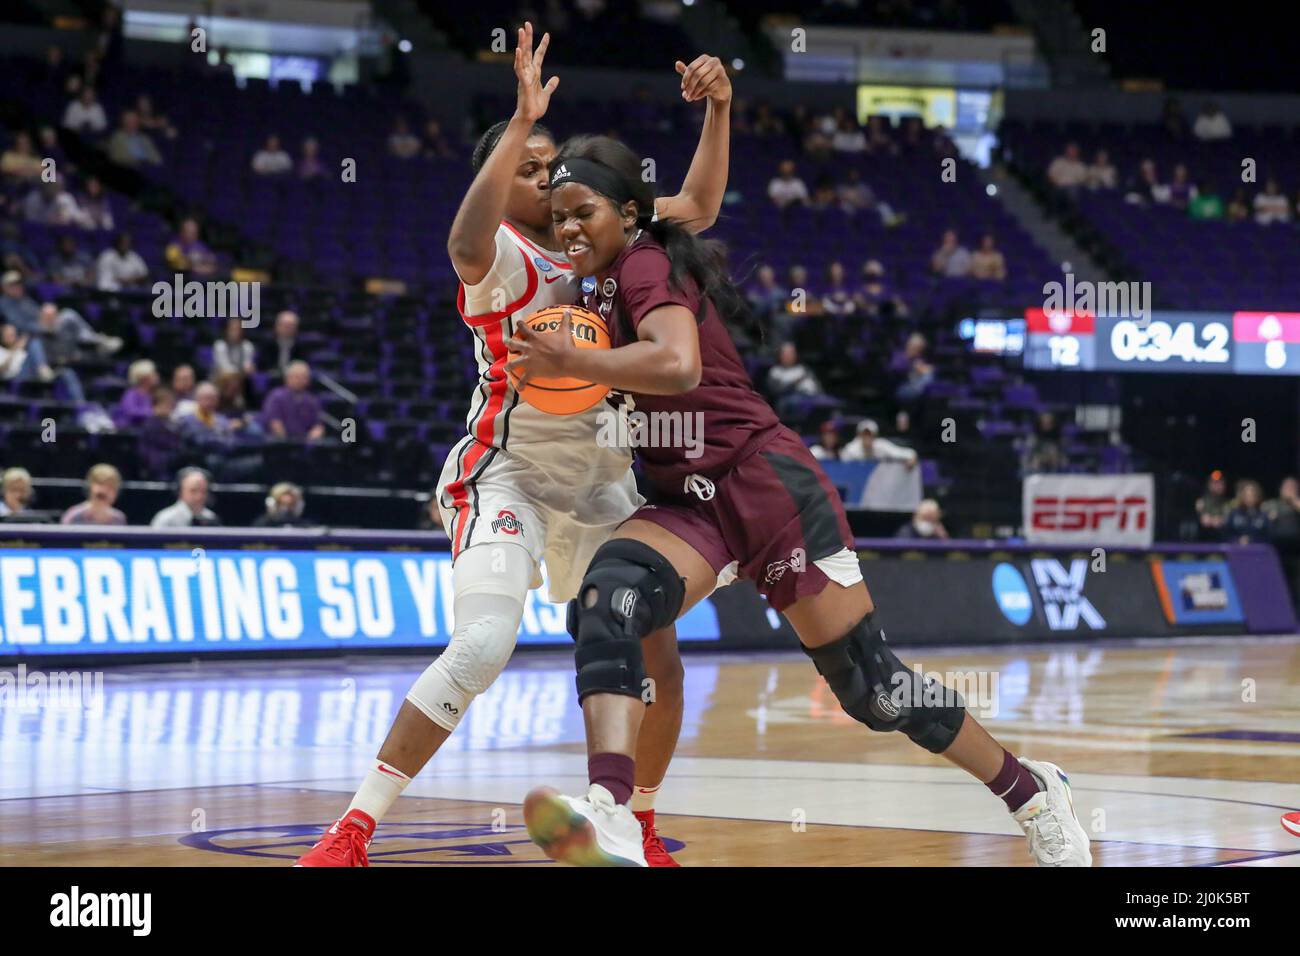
(629, 590)
(875, 688)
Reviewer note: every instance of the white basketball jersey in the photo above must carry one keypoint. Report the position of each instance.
(524, 278)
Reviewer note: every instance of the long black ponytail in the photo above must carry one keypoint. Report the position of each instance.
(703, 260)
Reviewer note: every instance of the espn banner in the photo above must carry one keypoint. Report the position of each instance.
(1084, 510)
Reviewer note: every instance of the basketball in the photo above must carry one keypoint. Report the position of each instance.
(565, 396)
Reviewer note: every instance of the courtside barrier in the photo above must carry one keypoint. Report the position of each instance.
(126, 592)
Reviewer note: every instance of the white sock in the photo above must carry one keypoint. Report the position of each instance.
(643, 798)
(380, 788)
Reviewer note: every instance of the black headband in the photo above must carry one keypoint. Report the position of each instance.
(603, 179)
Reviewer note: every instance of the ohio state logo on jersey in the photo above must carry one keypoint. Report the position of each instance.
(507, 522)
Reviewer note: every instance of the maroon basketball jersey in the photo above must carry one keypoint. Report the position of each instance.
(736, 420)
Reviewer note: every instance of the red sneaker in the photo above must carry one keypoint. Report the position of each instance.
(344, 844)
(656, 854)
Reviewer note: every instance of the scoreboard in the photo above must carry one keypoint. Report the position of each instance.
(1242, 343)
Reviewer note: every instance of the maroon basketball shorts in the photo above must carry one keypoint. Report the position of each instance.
(775, 519)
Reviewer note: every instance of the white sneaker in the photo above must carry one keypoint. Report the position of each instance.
(1056, 837)
(584, 831)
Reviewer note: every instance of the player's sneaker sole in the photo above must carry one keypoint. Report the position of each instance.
(563, 833)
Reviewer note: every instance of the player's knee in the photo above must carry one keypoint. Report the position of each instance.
(875, 688)
(664, 671)
(479, 649)
(629, 590)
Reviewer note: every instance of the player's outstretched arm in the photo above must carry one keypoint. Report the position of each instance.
(472, 240)
(696, 206)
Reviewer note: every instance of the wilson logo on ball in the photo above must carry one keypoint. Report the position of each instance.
(564, 395)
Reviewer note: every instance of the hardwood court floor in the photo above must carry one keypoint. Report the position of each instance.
(1179, 753)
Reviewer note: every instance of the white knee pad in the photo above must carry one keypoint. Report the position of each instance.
(491, 583)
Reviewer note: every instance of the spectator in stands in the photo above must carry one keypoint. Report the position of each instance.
(827, 446)
(103, 483)
(867, 445)
(1102, 174)
(50, 204)
(402, 143)
(232, 352)
(787, 189)
(436, 145)
(988, 263)
(191, 506)
(85, 114)
(1272, 205)
(96, 212)
(160, 438)
(918, 373)
(926, 523)
(1182, 191)
(875, 297)
(310, 165)
(130, 145)
(291, 411)
(913, 131)
(878, 138)
(1283, 513)
(285, 503)
(72, 331)
(789, 380)
(848, 137)
(206, 429)
(20, 163)
(951, 260)
(1205, 206)
(183, 392)
(136, 405)
(1147, 188)
(285, 347)
(150, 121)
(1238, 207)
(1043, 450)
(1212, 507)
(16, 362)
(188, 253)
(14, 252)
(17, 487)
(770, 302)
(71, 266)
(903, 426)
(230, 398)
(1247, 523)
(855, 195)
(1212, 124)
(837, 299)
(766, 123)
(120, 267)
(1068, 171)
(272, 159)
(824, 196)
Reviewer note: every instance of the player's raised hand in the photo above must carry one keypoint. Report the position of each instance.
(705, 78)
(533, 97)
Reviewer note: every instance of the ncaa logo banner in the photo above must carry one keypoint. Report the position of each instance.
(1078, 510)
